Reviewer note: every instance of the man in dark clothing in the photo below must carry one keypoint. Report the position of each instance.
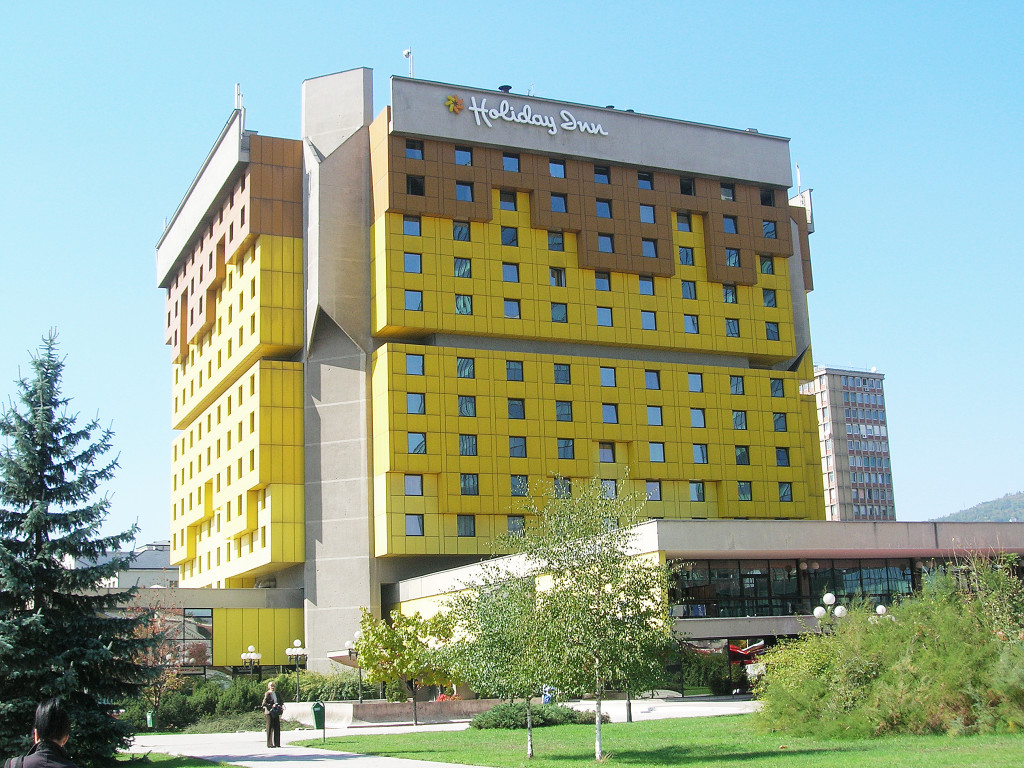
(50, 734)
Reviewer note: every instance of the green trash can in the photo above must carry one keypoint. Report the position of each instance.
(319, 718)
(151, 719)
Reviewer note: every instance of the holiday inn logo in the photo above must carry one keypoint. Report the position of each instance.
(524, 115)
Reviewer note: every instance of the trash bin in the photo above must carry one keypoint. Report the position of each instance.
(319, 720)
(151, 719)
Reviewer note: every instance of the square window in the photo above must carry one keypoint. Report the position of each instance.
(732, 257)
(606, 453)
(417, 442)
(687, 186)
(607, 376)
(415, 185)
(415, 402)
(512, 309)
(467, 405)
(743, 455)
(556, 240)
(414, 485)
(777, 387)
(463, 267)
(767, 197)
(656, 452)
(414, 301)
(563, 410)
(464, 191)
(652, 379)
(562, 488)
(767, 265)
(782, 457)
(647, 214)
(414, 263)
(469, 484)
(654, 416)
(768, 297)
(644, 180)
(514, 370)
(414, 525)
(610, 413)
(516, 524)
(700, 453)
(519, 486)
(683, 222)
(649, 248)
(602, 281)
(563, 373)
(413, 365)
(604, 209)
(516, 408)
(510, 272)
(517, 447)
(510, 236)
(467, 445)
(729, 225)
(413, 149)
(648, 320)
(686, 255)
(566, 448)
(559, 203)
(736, 385)
(605, 243)
(510, 162)
(411, 226)
(460, 231)
(556, 168)
(654, 490)
(771, 331)
(646, 285)
(786, 492)
(604, 316)
(697, 418)
(768, 229)
(602, 174)
(732, 327)
(729, 294)
(689, 289)
(559, 312)
(556, 277)
(691, 324)
(779, 422)
(609, 489)
(696, 490)
(695, 381)
(728, 191)
(463, 155)
(465, 367)
(466, 525)
(463, 304)
(739, 419)
(743, 490)
(507, 200)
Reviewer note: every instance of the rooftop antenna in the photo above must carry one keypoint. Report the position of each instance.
(530, 92)
(238, 102)
(407, 53)
(798, 178)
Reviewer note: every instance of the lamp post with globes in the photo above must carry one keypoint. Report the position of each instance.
(295, 652)
(350, 647)
(252, 660)
(828, 610)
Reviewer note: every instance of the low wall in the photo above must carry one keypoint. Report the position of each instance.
(341, 714)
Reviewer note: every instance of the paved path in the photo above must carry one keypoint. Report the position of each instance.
(249, 748)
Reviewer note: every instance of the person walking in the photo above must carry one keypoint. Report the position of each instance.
(50, 732)
(273, 706)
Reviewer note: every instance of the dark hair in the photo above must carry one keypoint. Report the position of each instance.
(52, 721)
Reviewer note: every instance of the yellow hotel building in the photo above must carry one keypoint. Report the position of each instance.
(384, 334)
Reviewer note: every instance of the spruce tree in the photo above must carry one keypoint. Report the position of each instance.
(60, 634)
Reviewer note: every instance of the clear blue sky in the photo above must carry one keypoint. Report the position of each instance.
(905, 119)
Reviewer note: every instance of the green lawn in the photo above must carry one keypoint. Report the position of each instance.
(161, 760)
(707, 742)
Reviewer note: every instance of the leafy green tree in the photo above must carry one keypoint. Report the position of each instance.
(406, 650)
(59, 636)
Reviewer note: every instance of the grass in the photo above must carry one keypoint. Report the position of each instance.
(704, 742)
(165, 761)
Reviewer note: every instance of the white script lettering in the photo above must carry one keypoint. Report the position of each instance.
(526, 116)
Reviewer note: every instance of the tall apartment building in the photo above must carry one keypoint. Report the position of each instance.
(385, 334)
(854, 437)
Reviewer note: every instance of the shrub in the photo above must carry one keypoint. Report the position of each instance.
(242, 695)
(338, 686)
(513, 715)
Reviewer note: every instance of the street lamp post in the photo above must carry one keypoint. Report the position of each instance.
(828, 610)
(252, 660)
(295, 652)
(354, 654)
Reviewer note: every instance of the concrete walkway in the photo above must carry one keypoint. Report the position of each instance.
(249, 748)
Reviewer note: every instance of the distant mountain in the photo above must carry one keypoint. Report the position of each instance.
(1008, 509)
